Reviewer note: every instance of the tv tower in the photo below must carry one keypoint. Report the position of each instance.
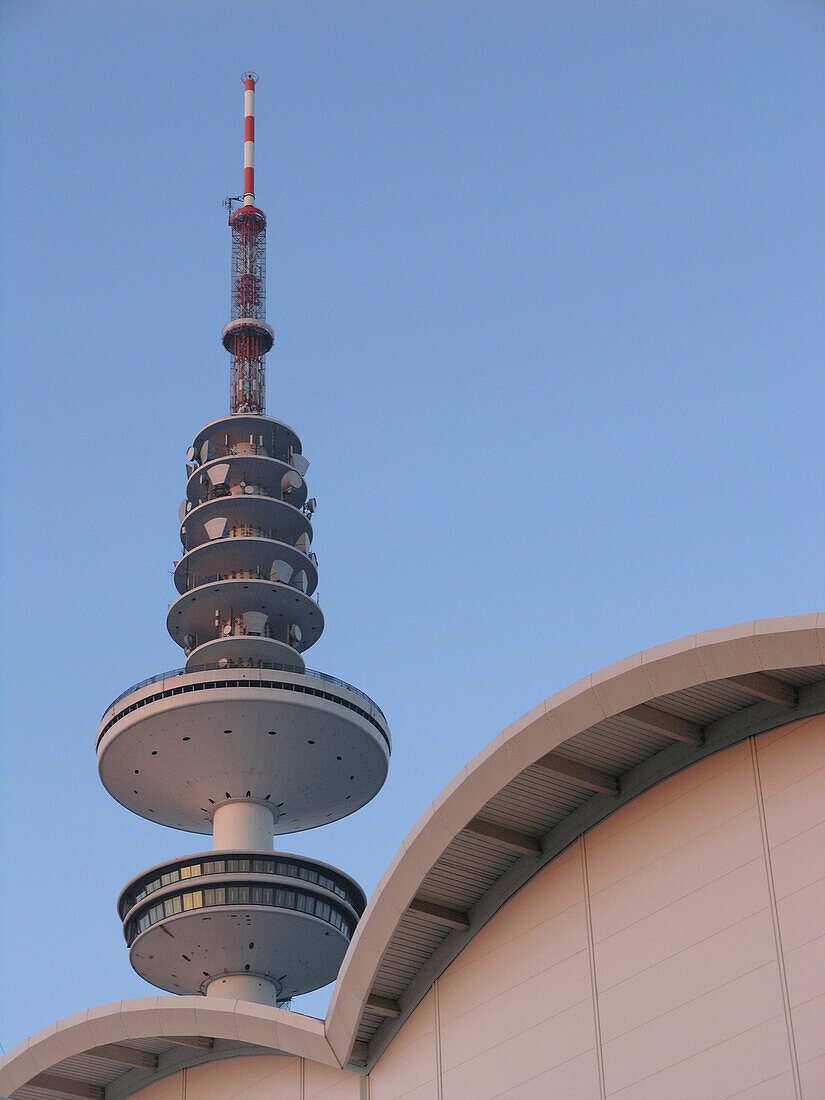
(245, 741)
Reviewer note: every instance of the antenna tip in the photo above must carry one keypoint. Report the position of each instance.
(250, 77)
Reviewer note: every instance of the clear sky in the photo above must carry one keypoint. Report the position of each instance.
(546, 279)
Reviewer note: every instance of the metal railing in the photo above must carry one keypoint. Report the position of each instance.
(250, 667)
(223, 493)
(247, 530)
(197, 580)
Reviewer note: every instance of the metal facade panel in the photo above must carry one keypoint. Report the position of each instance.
(799, 676)
(90, 1070)
(614, 745)
(370, 1023)
(705, 703)
(466, 870)
(534, 802)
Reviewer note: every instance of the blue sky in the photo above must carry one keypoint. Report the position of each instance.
(546, 280)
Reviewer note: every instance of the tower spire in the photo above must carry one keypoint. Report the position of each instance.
(248, 337)
(249, 82)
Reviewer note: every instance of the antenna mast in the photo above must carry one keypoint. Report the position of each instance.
(248, 337)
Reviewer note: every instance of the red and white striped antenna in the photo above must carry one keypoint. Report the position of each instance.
(248, 337)
(249, 82)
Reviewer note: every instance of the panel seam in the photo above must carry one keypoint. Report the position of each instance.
(591, 954)
(437, 1012)
(777, 933)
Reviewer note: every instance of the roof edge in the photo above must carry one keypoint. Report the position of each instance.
(160, 1017)
(757, 646)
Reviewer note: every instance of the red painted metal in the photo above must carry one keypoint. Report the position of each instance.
(248, 343)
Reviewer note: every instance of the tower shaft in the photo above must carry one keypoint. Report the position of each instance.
(245, 741)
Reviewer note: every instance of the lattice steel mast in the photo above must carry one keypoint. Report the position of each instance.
(248, 337)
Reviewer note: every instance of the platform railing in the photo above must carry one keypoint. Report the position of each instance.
(250, 666)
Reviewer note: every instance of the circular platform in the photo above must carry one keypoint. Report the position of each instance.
(194, 614)
(173, 748)
(268, 437)
(284, 918)
(253, 556)
(240, 472)
(244, 326)
(244, 651)
(245, 516)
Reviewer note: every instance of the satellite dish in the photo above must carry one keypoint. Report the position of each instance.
(182, 510)
(296, 633)
(249, 488)
(227, 630)
(290, 481)
(254, 622)
(219, 474)
(281, 571)
(216, 528)
(299, 580)
(190, 455)
(300, 463)
(311, 505)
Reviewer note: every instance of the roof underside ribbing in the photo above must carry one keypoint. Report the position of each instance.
(576, 771)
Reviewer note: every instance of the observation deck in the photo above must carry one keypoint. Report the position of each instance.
(285, 920)
(176, 747)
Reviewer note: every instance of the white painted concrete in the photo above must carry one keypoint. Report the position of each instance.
(244, 987)
(243, 825)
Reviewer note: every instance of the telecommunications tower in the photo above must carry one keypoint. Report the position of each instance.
(245, 741)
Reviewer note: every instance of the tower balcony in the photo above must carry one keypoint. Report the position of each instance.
(249, 474)
(223, 607)
(245, 516)
(280, 922)
(246, 557)
(243, 650)
(244, 433)
(309, 746)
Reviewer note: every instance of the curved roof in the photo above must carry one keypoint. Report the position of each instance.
(117, 1049)
(564, 766)
(546, 779)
